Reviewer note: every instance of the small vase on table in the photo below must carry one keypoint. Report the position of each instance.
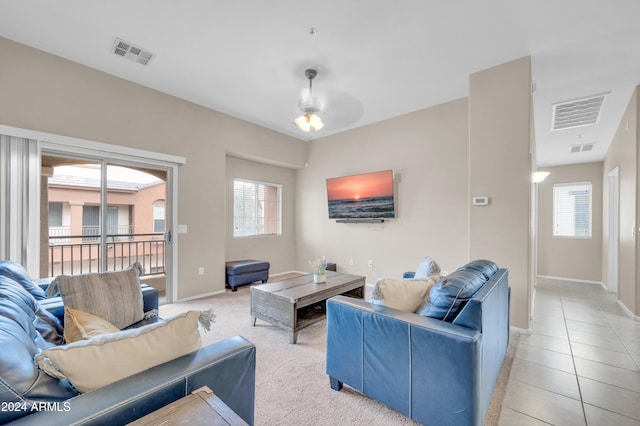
(319, 277)
(319, 267)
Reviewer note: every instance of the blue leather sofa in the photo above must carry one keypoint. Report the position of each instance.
(434, 371)
(29, 396)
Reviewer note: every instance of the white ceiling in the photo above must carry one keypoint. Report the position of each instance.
(376, 59)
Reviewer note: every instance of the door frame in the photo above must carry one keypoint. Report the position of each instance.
(613, 252)
(123, 155)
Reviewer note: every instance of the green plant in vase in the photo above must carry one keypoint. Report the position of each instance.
(319, 268)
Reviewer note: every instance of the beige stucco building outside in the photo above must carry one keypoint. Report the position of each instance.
(70, 245)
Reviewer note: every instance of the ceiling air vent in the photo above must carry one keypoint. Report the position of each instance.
(585, 147)
(579, 112)
(132, 52)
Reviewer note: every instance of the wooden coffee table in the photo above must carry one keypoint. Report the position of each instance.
(201, 407)
(297, 303)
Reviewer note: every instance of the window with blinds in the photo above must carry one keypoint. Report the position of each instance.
(55, 214)
(158, 218)
(572, 210)
(256, 208)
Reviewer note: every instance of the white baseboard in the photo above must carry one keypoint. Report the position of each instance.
(572, 280)
(521, 330)
(628, 311)
(200, 296)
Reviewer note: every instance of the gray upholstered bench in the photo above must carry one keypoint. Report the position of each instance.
(241, 272)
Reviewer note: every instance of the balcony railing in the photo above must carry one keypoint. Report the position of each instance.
(61, 234)
(73, 254)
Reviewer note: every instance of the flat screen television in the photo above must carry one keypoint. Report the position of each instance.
(361, 197)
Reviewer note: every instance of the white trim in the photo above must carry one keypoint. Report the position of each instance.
(628, 311)
(613, 242)
(572, 280)
(172, 198)
(84, 146)
(533, 299)
(521, 330)
(200, 296)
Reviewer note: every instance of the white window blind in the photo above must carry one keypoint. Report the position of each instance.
(256, 208)
(572, 210)
(158, 218)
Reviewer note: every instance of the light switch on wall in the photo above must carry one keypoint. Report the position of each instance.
(480, 201)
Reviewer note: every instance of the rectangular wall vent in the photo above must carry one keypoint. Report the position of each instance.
(131, 52)
(579, 112)
(585, 147)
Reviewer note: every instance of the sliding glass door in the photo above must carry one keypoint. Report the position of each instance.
(70, 206)
(103, 216)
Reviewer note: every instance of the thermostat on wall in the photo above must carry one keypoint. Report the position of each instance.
(480, 201)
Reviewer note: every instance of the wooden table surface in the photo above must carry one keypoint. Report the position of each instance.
(201, 407)
(279, 303)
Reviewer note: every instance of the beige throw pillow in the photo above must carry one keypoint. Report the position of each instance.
(113, 296)
(79, 325)
(92, 364)
(404, 295)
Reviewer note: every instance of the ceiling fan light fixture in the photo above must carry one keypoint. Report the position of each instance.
(309, 120)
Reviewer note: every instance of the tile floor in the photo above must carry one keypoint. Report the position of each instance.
(581, 364)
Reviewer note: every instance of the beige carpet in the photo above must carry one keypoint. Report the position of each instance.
(292, 387)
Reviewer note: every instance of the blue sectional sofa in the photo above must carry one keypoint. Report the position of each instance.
(438, 372)
(29, 396)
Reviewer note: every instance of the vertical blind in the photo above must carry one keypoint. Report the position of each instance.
(19, 201)
(572, 209)
(256, 208)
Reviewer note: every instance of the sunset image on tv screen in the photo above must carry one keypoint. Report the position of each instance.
(365, 196)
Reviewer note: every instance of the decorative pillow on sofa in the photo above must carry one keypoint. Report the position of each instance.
(113, 296)
(427, 268)
(448, 296)
(79, 325)
(91, 364)
(404, 295)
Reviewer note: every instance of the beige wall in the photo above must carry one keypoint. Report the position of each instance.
(428, 152)
(573, 258)
(47, 93)
(623, 154)
(441, 157)
(500, 168)
(278, 250)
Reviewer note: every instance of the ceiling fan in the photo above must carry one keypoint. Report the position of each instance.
(309, 121)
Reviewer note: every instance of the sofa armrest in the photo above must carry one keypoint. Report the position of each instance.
(227, 367)
(55, 305)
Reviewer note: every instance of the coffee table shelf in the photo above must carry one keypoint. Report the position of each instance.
(286, 304)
